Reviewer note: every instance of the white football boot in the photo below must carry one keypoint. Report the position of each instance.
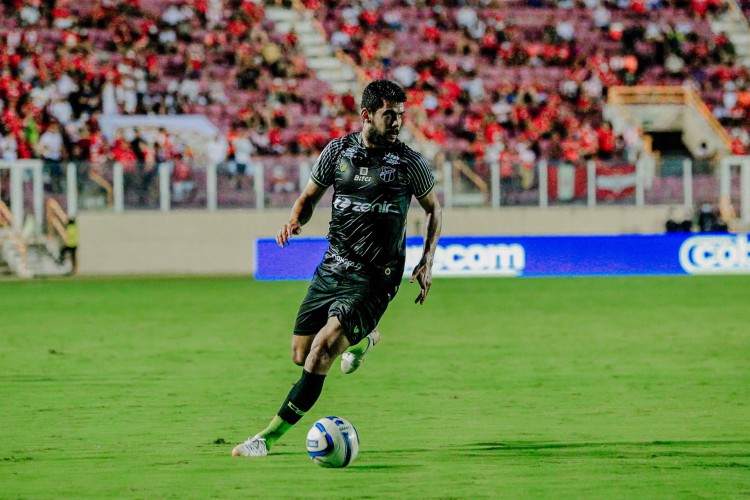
(350, 361)
(253, 447)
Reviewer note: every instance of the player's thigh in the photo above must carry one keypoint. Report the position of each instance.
(326, 347)
(331, 337)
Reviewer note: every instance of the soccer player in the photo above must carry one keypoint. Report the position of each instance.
(374, 176)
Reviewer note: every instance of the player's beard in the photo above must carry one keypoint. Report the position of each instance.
(374, 136)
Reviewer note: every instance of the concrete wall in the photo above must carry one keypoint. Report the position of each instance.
(201, 242)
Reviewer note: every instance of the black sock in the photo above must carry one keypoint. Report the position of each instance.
(302, 397)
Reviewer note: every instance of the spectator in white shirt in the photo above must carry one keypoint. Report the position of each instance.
(50, 148)
(216, 150)
(8, 147)
(243, 148)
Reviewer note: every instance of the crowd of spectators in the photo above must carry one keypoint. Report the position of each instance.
(503, 83)
(524, 79)
(63, 64)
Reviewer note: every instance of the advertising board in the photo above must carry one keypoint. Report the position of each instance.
(537, 256)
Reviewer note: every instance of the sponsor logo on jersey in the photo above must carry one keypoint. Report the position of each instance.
(363, 177)
(392, 159)
(343, 203)
(387, 174)
(715, 254)
(346, 262)
(349, 152)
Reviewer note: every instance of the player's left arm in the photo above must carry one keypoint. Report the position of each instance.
(433, 222)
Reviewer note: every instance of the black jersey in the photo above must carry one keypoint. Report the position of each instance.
(372, 193)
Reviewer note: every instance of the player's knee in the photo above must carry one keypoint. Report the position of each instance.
(320, 356)
(329, 343)
(300, 349)
(298, 357)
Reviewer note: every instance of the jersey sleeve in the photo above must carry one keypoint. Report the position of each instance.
(325, 167)
(421, 178)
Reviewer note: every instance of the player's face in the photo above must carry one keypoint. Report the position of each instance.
(386, 123)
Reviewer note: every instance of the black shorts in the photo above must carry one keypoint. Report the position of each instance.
(358, 305)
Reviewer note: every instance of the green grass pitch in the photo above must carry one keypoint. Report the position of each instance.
(535, 388)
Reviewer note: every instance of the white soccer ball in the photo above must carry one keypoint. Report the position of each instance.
(333, 442)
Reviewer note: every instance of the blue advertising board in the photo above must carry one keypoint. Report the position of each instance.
(536, 256)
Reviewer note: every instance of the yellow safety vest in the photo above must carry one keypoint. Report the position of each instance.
(72, 237)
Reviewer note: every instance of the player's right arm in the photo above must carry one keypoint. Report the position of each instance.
(321, 177)
(302, 211)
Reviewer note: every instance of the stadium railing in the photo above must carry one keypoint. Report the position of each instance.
(275, 182)
(57, 219)
(14, 250)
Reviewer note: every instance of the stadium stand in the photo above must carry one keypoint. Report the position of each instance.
(536, 72)
(496, 84)
(63, 64)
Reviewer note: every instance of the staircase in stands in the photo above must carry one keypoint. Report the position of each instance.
(735, 25)
(319, 54)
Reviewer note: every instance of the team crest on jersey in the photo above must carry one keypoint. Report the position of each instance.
(387, 174)
(392, 159)
(342, 166)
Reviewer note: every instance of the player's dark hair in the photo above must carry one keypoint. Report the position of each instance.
(379, 91)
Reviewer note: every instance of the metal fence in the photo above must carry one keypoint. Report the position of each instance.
(275, 182)
(591, 183)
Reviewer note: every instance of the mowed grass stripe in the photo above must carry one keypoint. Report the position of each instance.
(139, 388)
